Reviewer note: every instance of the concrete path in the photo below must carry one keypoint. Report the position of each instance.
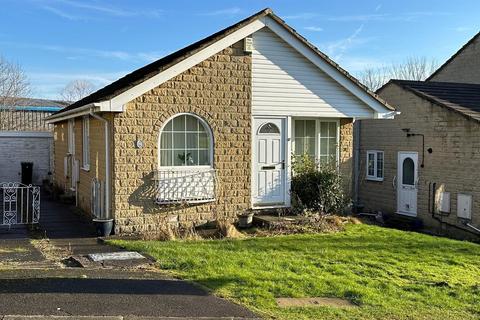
(91, 293)
(49, 291)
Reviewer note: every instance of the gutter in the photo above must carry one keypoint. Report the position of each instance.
(84, 110)
(107, 215)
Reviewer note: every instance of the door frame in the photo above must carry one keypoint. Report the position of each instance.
(286, 150)
(398, 182)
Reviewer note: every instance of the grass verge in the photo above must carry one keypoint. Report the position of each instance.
(390, 274)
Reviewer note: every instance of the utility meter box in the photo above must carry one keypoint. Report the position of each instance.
(464, 206)
(248, 44)
(443, 202)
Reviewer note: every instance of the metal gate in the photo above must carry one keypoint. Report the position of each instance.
(19, 204)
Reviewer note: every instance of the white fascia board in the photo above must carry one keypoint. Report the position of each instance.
(323, 65)
(119, 101)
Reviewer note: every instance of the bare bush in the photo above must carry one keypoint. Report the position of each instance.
(413, 68)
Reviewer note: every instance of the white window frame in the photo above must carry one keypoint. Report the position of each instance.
(86, 143)
(185, 168)
(317, 135)
(71, 136)
(375, 176)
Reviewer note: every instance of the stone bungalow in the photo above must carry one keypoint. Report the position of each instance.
(209, 130)
(424, 164)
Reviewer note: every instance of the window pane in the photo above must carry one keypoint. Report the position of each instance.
(379, 164)
(168, 126)
(332, 129)
(299, 128)
(332, 147)
(203, 158)
(371, 164)
(269, 128)
(192, 140)
(310, 128)
(201, 128)
(179, 123)
(310, 146)
(179, 140)
(323, 160)
(323, 146)
(166, 140)
(192, 123)
(299, 146)
(166, 157)
(323, 129)
(192, 157)
(179, 157)
(408, 172)
(203, 140)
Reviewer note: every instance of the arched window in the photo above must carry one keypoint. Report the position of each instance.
(186, 140)
(269, 128)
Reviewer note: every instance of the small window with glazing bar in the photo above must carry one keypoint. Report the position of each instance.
(375, 165)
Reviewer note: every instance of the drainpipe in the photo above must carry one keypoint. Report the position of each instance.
(356, 161)
(107, 163)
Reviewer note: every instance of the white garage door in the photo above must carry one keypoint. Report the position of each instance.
(18, 147)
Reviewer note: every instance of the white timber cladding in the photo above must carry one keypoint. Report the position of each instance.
(284, 82)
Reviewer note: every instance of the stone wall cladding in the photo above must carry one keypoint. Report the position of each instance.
(453, 164)
(217, 90)
(346, 154)
(97, 157)
(465, 67)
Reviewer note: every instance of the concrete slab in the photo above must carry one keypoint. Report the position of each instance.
(19, 251)
(314, 302)
(115, 256)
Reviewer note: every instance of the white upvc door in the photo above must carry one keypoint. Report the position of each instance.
(269, 148)
(407, 183)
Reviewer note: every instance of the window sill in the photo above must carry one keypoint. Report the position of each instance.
(87, 169)
(375, 179)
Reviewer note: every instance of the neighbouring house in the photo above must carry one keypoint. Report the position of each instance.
(209, 131)
(26, 138)
(424, 163)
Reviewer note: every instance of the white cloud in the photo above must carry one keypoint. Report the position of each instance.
(76, 53)
(60, 8)
(337, 48)
(49, 84)
(463, 29)
(387, 17)
(313, 28)
(221, 12)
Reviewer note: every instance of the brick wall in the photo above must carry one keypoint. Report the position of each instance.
(217, 90)
(464, 68)
(453, 163)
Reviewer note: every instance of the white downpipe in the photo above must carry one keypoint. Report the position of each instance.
(107, 164)
(356, 160)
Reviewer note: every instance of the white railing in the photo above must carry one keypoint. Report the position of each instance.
(19, 204)
(184, 185)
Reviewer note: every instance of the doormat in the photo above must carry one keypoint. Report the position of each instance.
(314, 302)
(115, 256)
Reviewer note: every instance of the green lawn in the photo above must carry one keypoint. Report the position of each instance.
(390, 274)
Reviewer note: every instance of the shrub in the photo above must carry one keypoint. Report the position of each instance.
(316, 187)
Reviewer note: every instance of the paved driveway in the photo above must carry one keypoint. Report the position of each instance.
(32, 285)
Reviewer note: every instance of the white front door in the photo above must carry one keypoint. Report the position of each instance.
(407, 183)
(268, 181)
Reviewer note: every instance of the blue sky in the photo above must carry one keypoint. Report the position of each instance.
(57, 41)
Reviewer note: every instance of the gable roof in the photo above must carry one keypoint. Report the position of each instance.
(463, 98)
(465, 46)
(139, 76)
